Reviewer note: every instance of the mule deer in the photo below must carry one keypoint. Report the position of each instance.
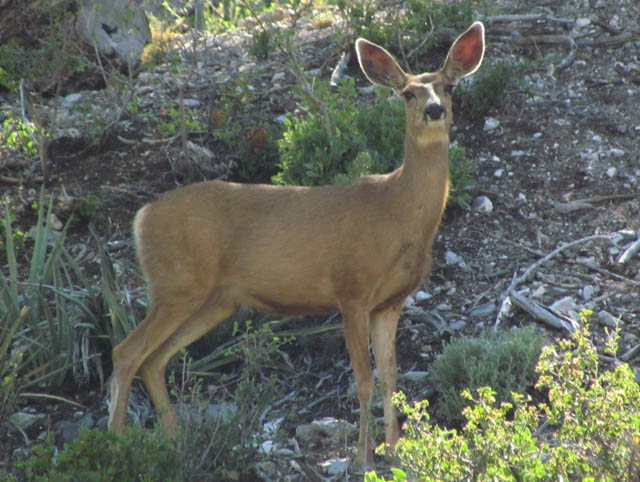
(359, 248)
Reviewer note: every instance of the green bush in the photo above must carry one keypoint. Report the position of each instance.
(104, 456)
(354, 139)
(503, 361)
(421, 25)
(489, 86)
(588, 431)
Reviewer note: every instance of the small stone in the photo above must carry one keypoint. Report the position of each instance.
(482, 204)
(281, 119)
(452, 258)
(422, 295)
(443, 307)
(583, 22)
(565, 305)
(482, 311)
(608, 319)
(278, 76)
(517, 153)
(415, 376)
(537, 135)
(587, 292)
(498, 173)
(336, 467)
(191, 102)
(612, 172)
(457, 325)
(615, 152)
(71, 99)
(490, 124)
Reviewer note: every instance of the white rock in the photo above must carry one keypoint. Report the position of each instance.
(415, 376)
(278, 76)
(336, 466)
(490, 124)
(517, 153)
(612, 172)
(583, 22)
(452, 258)
(498, 173)
(587, 292)
(565, 305)
(615, 152)
(457, 325)
(483, 310)
(281, 119)
(191, 102)
(537, 135)
(422, 295)
(482, 204)
(71, 99)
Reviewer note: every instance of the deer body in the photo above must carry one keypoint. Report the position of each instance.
(359, 248)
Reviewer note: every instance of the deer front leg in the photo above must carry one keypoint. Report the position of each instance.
(383, 335)
(356, 332)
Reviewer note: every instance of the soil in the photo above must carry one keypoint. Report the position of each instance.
(563, 164)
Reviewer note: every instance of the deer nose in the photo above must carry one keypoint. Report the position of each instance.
(433, 111)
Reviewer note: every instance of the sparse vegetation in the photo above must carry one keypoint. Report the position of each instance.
(503, 361)
(589, 430)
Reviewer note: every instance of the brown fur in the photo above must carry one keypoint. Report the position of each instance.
(358, 248)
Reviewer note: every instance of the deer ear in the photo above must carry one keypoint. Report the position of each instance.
(466, 53)
(379, 65)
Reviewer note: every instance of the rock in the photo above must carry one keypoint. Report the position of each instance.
(191, 102)
(281, 119)
(222, 411)
(582, 22)
(336, 467)
(457, 325)
(114, 27)
(325, 431)
(615, 152)
(490, 124)
(278, 77)
(415, 376)
(422, 295)
(612, 172)
(25, 420)
(452, 259)
(498, 173)
(69, 431)
(482, 311)
(564, 305)
(608, 319)
(482, 204)
(587, 292)
(71, 99)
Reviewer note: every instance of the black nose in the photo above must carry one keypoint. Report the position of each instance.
(434, 111)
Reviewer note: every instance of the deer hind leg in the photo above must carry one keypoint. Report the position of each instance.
(132, 351)
(216, 308)
(383, 336)
(356, 332)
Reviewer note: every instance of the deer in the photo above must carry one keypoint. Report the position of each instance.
(359, 248)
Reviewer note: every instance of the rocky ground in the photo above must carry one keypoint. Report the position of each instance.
(556, 165)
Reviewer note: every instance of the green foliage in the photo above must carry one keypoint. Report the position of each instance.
(47, 297)
(489, 86)
(362, 139)
(422, 25)
(504, 361)
(590, 429)
(104, 456)
(171, 121)
(17, 135)
(225, 445)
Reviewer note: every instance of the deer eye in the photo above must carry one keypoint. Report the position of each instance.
(449, 88)
(408, 95)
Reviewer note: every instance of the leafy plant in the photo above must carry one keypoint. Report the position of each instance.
(504, 361)
(489, 86)
(105, 456)
(20, 136)
(590, 427)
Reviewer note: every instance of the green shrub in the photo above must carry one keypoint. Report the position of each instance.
(588, 431)
(489, 86)
(503, 361)
(104, 456)
(421, 25)
(362, 139)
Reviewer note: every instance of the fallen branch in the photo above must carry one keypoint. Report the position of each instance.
(337, 73)
(531, 270)
(543, 313)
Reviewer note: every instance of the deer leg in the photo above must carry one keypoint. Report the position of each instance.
(134, 349)
(153, 369)
(383, 336)
(356, 332)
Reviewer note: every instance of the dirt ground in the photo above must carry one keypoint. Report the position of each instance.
(559, 161)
